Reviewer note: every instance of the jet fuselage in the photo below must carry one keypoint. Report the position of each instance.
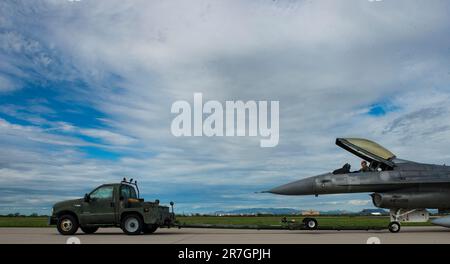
(407, 185)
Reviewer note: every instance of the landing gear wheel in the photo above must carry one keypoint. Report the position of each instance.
(89, 229)
(67, 225)
(394, 227)
(132, 224)
(149, 229)
(310, 223)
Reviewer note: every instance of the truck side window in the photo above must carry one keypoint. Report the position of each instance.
(133, 193)
(105, 192)
(124, 192)
(128, 192)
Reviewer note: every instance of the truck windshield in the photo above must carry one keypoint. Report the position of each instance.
(104, 192)
(127, 192)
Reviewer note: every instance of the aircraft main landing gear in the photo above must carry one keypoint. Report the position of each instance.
(394, 227)
(406, 216)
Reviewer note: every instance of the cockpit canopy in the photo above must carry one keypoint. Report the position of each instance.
(375, 154)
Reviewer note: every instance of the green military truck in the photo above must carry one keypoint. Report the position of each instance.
(111, 205)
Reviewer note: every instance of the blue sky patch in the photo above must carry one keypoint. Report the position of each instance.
(381, 109)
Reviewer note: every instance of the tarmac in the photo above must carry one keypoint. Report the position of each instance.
(408, 235)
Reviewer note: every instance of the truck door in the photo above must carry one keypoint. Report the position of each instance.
(100, 209)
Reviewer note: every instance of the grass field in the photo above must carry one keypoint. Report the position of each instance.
(20, 221)
(324, 221)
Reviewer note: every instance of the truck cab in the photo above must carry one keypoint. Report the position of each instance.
(111, 205)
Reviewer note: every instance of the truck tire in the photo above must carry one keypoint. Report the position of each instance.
(310, 223)
(132, 224)
(67, 225)
(149, 229)
(89, 229)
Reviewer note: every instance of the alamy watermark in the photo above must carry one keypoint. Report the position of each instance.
(236, 118)
(73, 240)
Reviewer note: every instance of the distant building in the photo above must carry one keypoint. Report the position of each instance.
(310, 212)
(373, 212)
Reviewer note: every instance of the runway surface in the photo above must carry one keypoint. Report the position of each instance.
(216, 236)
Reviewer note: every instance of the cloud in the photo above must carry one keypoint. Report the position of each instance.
(359, 202)
(7, 85)
(108, 136)
(100, 76)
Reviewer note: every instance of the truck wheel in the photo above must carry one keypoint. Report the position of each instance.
(148, 229)
(310, 223)
(132, 224)
(67, 225)
(394, 227)
(89, 229)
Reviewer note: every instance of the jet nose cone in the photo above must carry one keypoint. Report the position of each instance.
(300, 187)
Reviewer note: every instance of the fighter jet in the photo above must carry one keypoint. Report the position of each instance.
(405, 187)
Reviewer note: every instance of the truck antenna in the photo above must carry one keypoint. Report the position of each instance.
(137, 188)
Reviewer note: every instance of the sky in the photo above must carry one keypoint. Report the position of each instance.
(86, 89)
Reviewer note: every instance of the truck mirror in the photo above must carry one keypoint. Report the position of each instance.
(87, 198)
